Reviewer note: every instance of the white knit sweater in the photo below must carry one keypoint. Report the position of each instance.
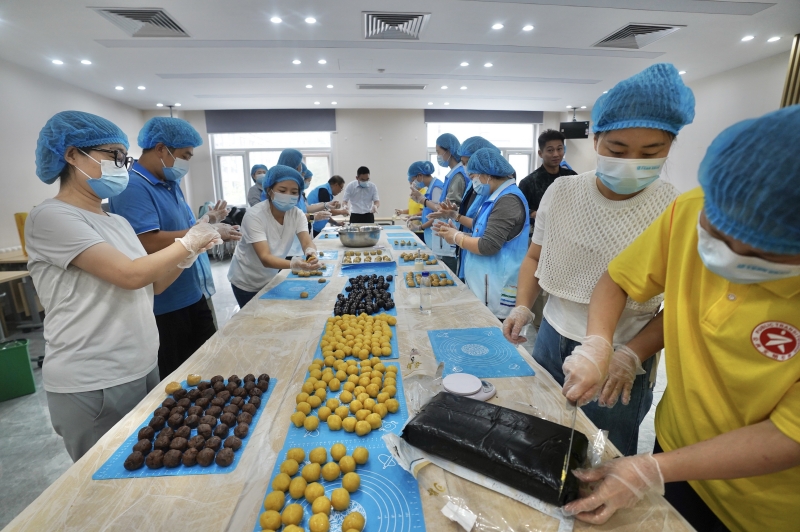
(585, 231)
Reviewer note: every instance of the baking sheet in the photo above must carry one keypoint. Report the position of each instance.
(482, 352)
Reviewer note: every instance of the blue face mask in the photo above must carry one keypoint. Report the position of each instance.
(112, 180)
(481, 189)
(284, 202)
(178, 169)
(628, 176)
(444, 163)
(419, 184)
(363, 184)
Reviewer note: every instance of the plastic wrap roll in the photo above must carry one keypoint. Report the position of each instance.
(519, 450)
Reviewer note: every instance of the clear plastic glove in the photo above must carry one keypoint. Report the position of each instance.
(300, 263)
(625, 481)
(321, 216)
(625, 366)
(200, 238)
(586, 369)
(443, 214)
(333, 205)
(218, 212)
(447, 231)
(517, 323)
(228, 233)
(311, 253)
(374, 209)
(416, 195)
(414, 224)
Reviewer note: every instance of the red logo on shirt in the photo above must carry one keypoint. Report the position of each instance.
(776, 340)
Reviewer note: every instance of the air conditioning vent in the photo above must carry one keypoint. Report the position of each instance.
(394, 26)
(635, 36)
(143, 22)
(390, 87)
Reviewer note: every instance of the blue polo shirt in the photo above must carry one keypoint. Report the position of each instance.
(153, 205)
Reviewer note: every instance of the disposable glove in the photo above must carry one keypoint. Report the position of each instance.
(374, 209)
(228, 233)
(586, 369)
(218, 212)
(625, 366)
(625, 481)
(299, 263)
(519, 318)
(322, 216)
(200, 238)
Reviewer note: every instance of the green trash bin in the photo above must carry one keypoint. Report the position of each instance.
(15, 366)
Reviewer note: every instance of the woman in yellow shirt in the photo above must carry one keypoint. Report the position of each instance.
(727, 258)
(414, 210)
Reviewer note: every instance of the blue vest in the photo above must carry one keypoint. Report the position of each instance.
(472, 212)
(499, 271)
(449, 179)
(436, 186)
(313, 198)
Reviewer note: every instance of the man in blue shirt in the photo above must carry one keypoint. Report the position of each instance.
(154, 205)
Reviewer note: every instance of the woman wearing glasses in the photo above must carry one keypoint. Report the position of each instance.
(95, 280)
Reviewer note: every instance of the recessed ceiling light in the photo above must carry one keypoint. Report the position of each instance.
(177, 105)
(316, 103)
(119, 87)
(527, 28)
(296, 62)
(682, 72)
(747, 38)
(447, 103)
(329, 86)
(583, 107)
(444, 86)
(773, 39)
(488, 65)
(311, 20)
(85, 62)
(309, 86)
(569, 107)
(141, 87)
(463, 87)
(58, 62)
(464, 63)
(159, 105)
(276, 20)
(497, 26)
(333, 103)
(321, 61)
(430, 103)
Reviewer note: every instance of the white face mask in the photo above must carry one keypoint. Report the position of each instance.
(627, 176)
(738, 269)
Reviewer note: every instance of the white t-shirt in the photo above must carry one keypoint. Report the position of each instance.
(258, 225)
(97, 335)
(361, 198)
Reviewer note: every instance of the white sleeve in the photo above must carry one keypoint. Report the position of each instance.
(347, 192)
(299, 223)
(59, 233)
(375, 196)
(253, 226)
(541, 217)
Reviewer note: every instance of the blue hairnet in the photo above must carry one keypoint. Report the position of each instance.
(71, 128)
(257, 167)
(291, 158)
(746, 200)
(172, 132)
(490, 162)
(306, 173)
(473, 144)
(449, 142)
(280, 173)
(420, 167)
(654, 98)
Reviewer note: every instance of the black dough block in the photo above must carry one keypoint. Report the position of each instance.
(519, 450)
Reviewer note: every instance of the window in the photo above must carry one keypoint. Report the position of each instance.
(234, 154)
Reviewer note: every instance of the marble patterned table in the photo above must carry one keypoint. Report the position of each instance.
(279, 338)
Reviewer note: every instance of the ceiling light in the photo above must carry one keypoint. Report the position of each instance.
(309, 86)
(141, 87)
(447, 103)
(773, 39)
(321, 61)
(159, 105)
(527, 28)
(311, 20)
(497, 26)
(276, 20)
(463, 87)
(85, 62)
(177, 105)
(119, 87)
(296, 62)
(444, 86)
(583, 107)
(333, 103)
(430, 103)
(747, 38)
(569, 107)
(316, 103)
(488, 65)
(58, 62)
(682, 72)
(464, 63)
(605, 92)
(329, 86)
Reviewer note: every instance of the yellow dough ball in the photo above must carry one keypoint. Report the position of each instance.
(313, 491)
(381, 410)
(351, 482)
(298, 418)
(311, 472)
(361, 455)
(347, 464)
(319, 523)
(304, 407)
(340, 500)
(374, 421)
(281, 482)
(295, 528)
(334, 385)
(308, 387)
(353, 521)
(323, 413)
(193, 379)
(330, 471)
(301, 398)
(172, 387)
(391, 390)
(314, 401)
(290, 467)
(297, 487)
(369, 404)
(355, 406)
(362, 414)
(318, 455)
(363, 428)
(392, 369)
(334, 422)
(270, 520)
(321, 393)
(275, 501)
(333, 404)
(338, 451)
(311, 423)
(292, 515)
(349, 424)
(321, 505)
(380, 367)
(342, 411)
(383, 397)
(363, 396)
(297, 454)
(393, 405)
(346, 396)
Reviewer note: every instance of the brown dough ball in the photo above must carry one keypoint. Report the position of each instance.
(241, 430)
(190, 457)
(194, 395)
(166, 432)
(155, 460)
(218, 401)
(183, 432)
(255, 392)
(175, 421)
(228, 419)
(224, 395)
(173, 458)
(221, 430)
(146, 433)
(214, 410)
(208, 394)
(249, 377)
(169, 402)
(203, 402)
(194, 411)
(255, 401)
(157, 423)
(230, 387)
(192, 421)
(249, 386)
(211, 421)
(205, 457)
(162, 443)
(197, 442)
(213, 443)
(218, 387)
(234, 378)
(185, 402)
(233, 443)
(179, 444)
(263, 377)
(217, 378)
(239, 392)
(237, 401)
(203, 386)
(231, 409)
(161, 411)
(263, 385)
(225, 457)
(204, 430)
(244, 417)
(134, 461)
(180, 394)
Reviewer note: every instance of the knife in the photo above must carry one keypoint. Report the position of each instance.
(569, 450)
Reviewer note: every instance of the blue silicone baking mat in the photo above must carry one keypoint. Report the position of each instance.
(113, 467)
(327, 272)
(292, 288)
(381, 268)
(388, 497)
(395, 348)
(329, 254)
(409, 246)
(438, 273)
(482, 352)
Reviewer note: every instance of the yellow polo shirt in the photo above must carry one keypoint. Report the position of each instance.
(414, 208)
(731, 353)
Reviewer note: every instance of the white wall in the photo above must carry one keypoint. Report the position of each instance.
(28, 100)
(386, 141)
(580, 152)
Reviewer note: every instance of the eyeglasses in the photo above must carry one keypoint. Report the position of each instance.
(121, 158)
